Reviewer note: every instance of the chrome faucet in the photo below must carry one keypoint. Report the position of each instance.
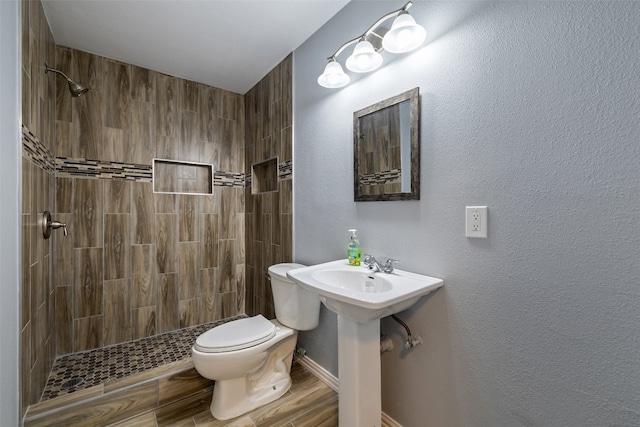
(373, 264)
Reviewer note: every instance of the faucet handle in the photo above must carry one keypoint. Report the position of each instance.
(369, 260)
(388, 266)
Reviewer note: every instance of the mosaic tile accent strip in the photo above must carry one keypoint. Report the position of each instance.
(102, 169)
(97, 366)
(228, 179)
(35, 151)
(285, 170)
(385, 177)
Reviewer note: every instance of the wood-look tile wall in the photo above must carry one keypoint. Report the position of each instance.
(137, 263)
(268, 107)
(37, 346)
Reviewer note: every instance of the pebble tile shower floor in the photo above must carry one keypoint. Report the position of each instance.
(79, 371)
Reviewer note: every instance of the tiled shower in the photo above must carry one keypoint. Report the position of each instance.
(138, 263)
(143, 263)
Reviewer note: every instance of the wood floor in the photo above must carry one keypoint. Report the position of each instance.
(309, 403)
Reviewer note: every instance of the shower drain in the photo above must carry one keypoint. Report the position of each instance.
(73, 382)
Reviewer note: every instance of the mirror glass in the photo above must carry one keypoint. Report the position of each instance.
(387, 149)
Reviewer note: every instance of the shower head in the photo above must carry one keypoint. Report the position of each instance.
(76, 89)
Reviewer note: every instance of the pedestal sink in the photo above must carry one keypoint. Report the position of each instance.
(360, 298)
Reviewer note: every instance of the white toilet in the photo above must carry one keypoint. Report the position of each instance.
(250, 359)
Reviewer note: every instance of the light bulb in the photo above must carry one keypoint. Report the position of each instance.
(404, 37)
(363, 62)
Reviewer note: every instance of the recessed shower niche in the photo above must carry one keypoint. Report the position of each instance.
(173, 176)
(264, 176)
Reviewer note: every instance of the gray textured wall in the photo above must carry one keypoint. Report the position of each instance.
(531, 108)
(10, 213)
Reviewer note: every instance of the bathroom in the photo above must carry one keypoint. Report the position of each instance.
(527, 107)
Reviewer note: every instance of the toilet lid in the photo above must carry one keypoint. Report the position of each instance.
(236, 335)
(280, 270)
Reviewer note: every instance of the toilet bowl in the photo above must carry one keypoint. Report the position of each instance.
(250, 359)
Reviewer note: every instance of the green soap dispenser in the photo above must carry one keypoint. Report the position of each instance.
(353, 249)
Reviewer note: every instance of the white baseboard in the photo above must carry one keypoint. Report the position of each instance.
(330, 380)
(387, 421)
(323, 375)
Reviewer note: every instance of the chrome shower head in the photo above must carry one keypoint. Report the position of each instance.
(76, 89)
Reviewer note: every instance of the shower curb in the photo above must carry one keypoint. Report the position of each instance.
(119, 400)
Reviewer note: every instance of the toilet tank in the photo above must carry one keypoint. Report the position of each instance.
(295, 307)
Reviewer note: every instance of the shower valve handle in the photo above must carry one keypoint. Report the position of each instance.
(48, 225)
(58, 224)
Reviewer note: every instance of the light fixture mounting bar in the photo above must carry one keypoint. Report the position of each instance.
(343, 47)
(370, 30)
(387, 16)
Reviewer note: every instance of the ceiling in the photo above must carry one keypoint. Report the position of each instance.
(229, 44)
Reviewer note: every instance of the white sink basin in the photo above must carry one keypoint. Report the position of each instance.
(353, 280)
(360, 294)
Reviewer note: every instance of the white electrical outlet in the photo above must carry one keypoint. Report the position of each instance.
(476, 221)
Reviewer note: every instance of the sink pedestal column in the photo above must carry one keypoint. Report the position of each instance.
(359, 373)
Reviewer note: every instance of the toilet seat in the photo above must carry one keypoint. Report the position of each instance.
(236, 335)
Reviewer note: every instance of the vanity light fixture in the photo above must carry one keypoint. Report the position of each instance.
(404, 36)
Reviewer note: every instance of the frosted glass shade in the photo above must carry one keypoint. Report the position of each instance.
(404, 35)
(364, 58)
(333, 76)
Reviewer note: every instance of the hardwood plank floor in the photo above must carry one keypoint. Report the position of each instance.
(309, 403)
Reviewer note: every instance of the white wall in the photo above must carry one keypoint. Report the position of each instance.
(531, 108)
(10, 163)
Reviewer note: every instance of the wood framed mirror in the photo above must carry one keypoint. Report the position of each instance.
(386, 149)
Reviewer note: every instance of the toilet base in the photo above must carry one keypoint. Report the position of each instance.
(236, 396)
